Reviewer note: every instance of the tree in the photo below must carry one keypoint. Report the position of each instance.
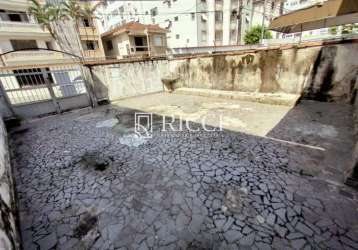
(74, 12)
(253, 36)
(43, 16)
(333, 30)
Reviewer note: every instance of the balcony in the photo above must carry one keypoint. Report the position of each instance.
(22, 30)
(139, 49)
(97, 53)
(35, 57)
(88, 33)
(19, 5)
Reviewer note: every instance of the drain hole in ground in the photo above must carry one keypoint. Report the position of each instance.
(95, 161)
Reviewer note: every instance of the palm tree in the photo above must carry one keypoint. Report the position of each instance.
(73, 11)
(43, 16)
(56, 17)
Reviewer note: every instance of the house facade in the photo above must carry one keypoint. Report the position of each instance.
(134, 40)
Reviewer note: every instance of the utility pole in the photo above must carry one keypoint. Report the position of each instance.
(263, 21)
(239, 21)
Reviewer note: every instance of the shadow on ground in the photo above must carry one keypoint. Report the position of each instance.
(85, 181)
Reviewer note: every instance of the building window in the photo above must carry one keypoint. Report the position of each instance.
(168, 2)
(86, 22)
(91, 45)
(204, 18)
(176, 18)
(13, 17)
(193, 16)
(203, 1)
(203, 35)
(281, 8)
(272, 5)
(23, 44)
(109, 45)
(218, 16)
(158, 40)
(177, 36)
(218, 36)
(140, 43)
(32, 77)
(49, 45)
(233, 35)
(154, 11)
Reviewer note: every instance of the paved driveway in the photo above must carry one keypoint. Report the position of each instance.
(84, 181)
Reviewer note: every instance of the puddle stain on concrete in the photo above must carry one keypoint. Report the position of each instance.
(94, 160)
(87, 223)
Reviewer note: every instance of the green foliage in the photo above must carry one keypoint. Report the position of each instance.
(253, 36)
(43, 14)
(72, 9)
(333, 30)
(347, 29)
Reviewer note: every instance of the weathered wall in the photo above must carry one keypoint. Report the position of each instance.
(324, 73)
(128, 79)
(320, 73)
(5, 111)
(352, 173)
(261, 71)
(8, 233)
(334, 73)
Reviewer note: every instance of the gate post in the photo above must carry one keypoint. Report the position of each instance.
(50, 89)
(87, 77)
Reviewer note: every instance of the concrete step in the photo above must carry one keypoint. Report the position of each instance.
(266, 98)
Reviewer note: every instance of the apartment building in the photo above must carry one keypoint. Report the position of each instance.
(192, 23)
(91, 43)
(19, 30)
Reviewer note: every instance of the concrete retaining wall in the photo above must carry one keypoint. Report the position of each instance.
(323, 73)
(118, 81)
(352, 173)
(319, 73)
(9, 238)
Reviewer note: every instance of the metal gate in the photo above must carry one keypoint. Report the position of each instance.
(33, 91)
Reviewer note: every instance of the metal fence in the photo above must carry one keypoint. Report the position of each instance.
(54, 86)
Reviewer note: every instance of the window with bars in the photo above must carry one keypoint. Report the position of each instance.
(32, 77)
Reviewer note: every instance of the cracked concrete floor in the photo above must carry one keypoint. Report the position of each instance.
(84, 181)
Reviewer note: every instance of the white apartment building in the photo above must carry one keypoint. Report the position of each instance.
(191, 23)
(19, 30)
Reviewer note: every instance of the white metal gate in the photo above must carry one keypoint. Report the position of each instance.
(33, 91)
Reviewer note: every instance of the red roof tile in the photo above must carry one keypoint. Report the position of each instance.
(135, 26)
